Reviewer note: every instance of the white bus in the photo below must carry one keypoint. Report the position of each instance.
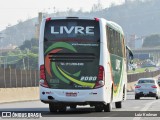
(82, 62)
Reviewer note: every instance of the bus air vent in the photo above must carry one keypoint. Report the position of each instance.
(72, 57)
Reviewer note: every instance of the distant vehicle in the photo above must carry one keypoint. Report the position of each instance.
(148, 64)
(158, 81)
(82, 62)
(146, 87)
(142, 56)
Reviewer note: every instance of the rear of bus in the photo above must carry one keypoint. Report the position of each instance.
(69, 57)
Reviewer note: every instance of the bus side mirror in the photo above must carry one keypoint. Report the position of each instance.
(130, 55)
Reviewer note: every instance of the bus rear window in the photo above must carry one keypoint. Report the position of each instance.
(72, 29)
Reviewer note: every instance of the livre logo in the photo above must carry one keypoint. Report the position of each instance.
(73, 29)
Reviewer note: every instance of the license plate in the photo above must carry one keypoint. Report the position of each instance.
(145, 92)
(71, 94)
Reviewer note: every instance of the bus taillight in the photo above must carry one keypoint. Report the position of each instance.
(48, 19)
(43, 81)
(100, 81)
(97, 19)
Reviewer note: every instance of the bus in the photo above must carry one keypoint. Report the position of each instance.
(82, 61)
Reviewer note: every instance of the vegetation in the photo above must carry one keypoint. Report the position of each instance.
(139, 17)
(141, 70)
(152, 41)
(24, 57)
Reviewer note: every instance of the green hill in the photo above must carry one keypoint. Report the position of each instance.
(135, 17)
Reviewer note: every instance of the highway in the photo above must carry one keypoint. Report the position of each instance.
(130, 110)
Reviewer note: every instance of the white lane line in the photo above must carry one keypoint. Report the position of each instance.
(145, 108)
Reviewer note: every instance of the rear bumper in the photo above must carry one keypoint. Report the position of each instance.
(82, 96)
(91, 103)
(150, 94)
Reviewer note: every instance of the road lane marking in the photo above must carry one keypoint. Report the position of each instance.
(145, 108)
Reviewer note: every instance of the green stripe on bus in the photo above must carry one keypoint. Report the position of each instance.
(58, 74)
(91, 85)
(61, 45)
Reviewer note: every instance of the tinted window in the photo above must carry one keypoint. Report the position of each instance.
(114, 42)
(72, 29)
(72, 53)
(146, 81)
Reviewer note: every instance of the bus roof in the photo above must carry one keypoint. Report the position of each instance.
(59, 18)
(111, 24)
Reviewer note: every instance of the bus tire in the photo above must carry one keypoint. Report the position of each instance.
(108, 107)
(52, 107)
(62, 109)
(136, 97)
(118, 104)
(98, 108)
(124, 93)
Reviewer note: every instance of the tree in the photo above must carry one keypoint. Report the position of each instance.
(29, 44)
(97, 7)
(152, 41)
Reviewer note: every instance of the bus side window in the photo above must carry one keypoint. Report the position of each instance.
(123, 47)
(109, 37)
(112, 41)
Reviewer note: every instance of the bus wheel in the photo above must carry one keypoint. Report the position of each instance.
(136, 97)
(98, 108)
(73, 106)
(52, 107)
(62, 109)
(108, 107)
(124, 93)
(118, 104)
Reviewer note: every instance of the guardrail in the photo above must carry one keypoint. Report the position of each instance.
(135, 77)
(15, 78)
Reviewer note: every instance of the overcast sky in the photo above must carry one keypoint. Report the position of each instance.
(13, 10)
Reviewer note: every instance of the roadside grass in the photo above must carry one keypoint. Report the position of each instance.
(141, 70)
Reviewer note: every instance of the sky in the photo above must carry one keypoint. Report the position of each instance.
(12, 11)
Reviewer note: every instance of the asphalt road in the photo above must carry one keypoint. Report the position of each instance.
(131, 110)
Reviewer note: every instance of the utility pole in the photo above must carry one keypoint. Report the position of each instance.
(40, 16)
(1, 38)
(28, 57)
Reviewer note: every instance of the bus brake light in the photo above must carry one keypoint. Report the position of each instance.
(43, 81)
(97, 19)
(100, 81)
(48, 19)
